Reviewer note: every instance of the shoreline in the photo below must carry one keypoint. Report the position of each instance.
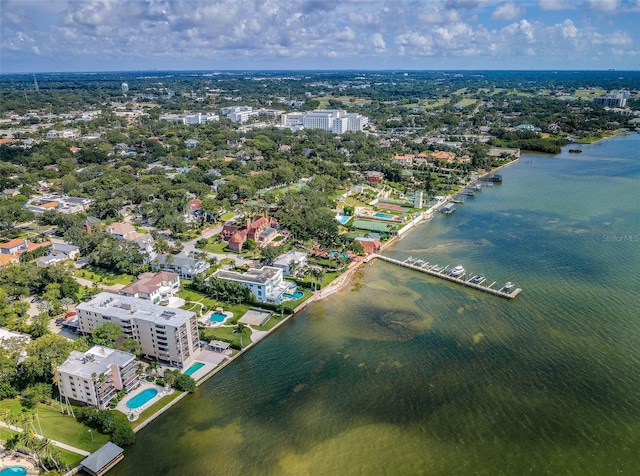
(336, 285)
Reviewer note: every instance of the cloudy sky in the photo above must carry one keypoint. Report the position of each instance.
(99, 35)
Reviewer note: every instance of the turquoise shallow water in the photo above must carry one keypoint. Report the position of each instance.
(406, 374)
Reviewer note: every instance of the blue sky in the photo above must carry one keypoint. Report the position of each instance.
(108, 35)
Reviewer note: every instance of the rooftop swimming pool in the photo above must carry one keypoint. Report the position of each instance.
(142, 398)
(14, 471)
(217, 317)
(194, 368)
(386, 216)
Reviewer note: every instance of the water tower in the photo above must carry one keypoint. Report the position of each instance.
(125, 88)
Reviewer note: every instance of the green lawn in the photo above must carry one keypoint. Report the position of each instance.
(59, 427)
(98, 275)
(226, 334)
(227, 216)
(220, 247)
(192, 297)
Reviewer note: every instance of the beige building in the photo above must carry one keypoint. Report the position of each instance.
(95, 377)
(166, 334)
(155, 287)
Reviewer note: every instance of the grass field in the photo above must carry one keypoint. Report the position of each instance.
(98, 275)
(57, 426)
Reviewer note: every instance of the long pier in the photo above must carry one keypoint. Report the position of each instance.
(441, 272)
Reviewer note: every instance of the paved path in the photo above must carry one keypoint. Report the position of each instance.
(56, 443)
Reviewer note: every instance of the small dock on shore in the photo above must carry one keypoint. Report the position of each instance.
(441, 272)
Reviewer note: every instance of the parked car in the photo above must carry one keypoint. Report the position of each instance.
(69, 314)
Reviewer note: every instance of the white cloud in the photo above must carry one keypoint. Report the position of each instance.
(556, 5)
(607, 5)
(253, 33)
(508, 11)
(378, 41)
(569, 30)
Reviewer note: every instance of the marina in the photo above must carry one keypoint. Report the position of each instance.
(455, 275)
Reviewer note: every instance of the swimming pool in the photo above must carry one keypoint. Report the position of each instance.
(217, 317)
(194, 368)
(344, 219)
(296, 295)
(14, 471)
(142, 398)
(386, 216)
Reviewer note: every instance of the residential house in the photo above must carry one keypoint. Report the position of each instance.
(14, 246)
(72, 251)
(262, 230)
(266, 283)
(155, 287)
(126, 231)
(181, 264)
(369, 245)
(373, 176)
(291, 262)
(169, 335)
(95, 377)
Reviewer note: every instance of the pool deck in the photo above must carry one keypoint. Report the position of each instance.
(122, 404)
(16, 459)
(208, 323)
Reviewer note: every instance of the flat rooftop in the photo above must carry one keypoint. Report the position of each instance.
(94, 362)
(257, 276)
(126, 308)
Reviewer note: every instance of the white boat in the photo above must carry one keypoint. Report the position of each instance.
(457, 271)
(478, 278)
(508, 285)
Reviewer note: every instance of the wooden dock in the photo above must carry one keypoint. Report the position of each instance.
(441, 272)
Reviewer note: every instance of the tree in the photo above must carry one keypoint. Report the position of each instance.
(123, 435)
(131, 345)
(185, 383)
(43, 354)
(106, 334)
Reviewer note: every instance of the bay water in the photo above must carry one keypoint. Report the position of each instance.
(402, 373)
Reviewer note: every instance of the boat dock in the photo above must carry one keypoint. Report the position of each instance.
(437, 271)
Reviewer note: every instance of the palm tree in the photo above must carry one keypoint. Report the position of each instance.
(56, 381)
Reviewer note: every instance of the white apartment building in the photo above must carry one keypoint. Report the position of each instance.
(292, 119)
(95, 377)
(65, 134)
(239, 114)
(189, 119)
(167, 334)
(337, 121)
(265, 283)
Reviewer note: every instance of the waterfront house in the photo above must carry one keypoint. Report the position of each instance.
(291, 262)
(266, 283)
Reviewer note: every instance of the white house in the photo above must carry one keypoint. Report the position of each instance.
(285, 261)
(155, 287)
(265, 283)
